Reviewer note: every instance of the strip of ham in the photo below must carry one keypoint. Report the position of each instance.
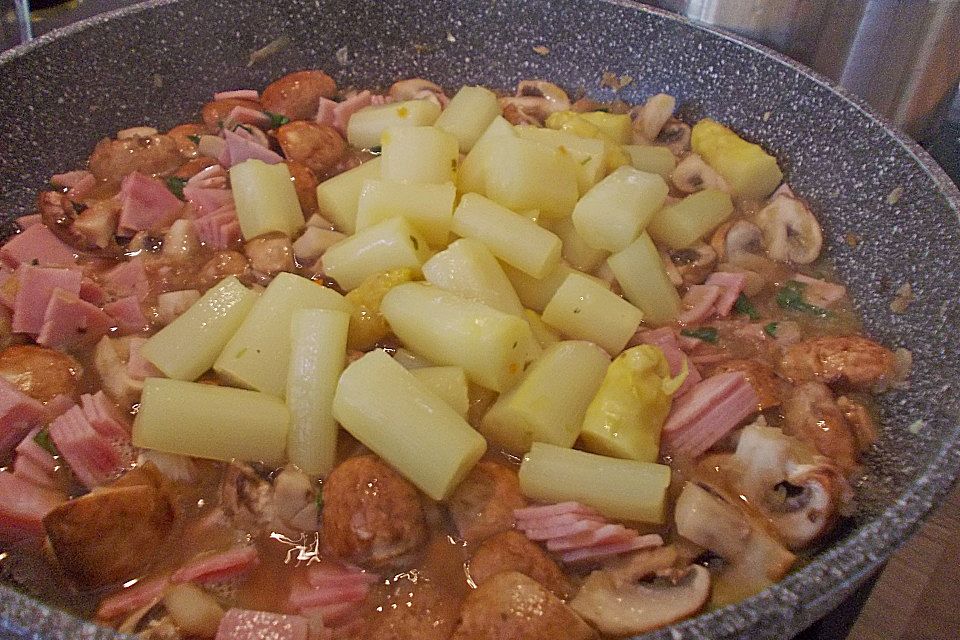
(69, 321)
(699, 303)
(240, 149)
(93, 458)
(327, 587)
(128, 315)
(212, 177)
(706, 414)
(820, 293)
(246, 115)
(731, 286)
(23, 506)
(92, 292)
(338, 114)
(239, 94)
(218, 567)
(220, 229)
(244, 624)
(37, 245)
(34, 464)
(57, 405)
(78, 183)
(133, 598)
(37, 285)
(19, 413)
(578, 533)
(208, 199)
(145, 203)
(666, 340)
(128, 279)
(102, 417)
(27, 221)
(172, 304)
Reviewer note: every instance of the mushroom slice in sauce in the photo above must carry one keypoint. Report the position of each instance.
(790, 230)
(643, 593)
(692, 174)
(694, 263)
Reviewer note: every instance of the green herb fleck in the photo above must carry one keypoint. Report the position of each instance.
(244, 127)
(46, 442)
(585, 161)
(319, 502)
(276, 120)
(416, 244)
(707, 334)
(194, 139)
(744, 307)
(791, 297)
(771, 329)
(176, 186)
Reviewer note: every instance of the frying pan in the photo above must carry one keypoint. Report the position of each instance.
(158, 62)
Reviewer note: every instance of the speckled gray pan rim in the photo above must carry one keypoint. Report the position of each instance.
(158, 62)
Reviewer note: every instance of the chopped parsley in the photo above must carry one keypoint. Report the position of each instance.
(46, 442)
(743, 306)
(276, 120)
(416, 243)
(770, 329)
(791, 297)
(194, 139)
(319, 502)
(176, 185)
(707, 334)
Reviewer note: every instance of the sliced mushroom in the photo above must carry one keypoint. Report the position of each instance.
(550, 92)
(752, 558)
(60, 215)
(805, 506)
(790, 230)
(534, 102)
(694, 263)
(672, 272)
(692, 174)
(418, 89)
(812, 415)
(734, 239)
(675, 135)
(644, 593)
(650, 118)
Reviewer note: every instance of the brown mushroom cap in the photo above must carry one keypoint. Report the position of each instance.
(790, 230)
(643, 594)
(693, 174)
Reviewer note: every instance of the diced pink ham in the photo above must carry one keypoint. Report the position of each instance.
(37, 285)
(240, 149)
(602, 551)
(69, 321)
(92, 292)
(548, 532)
(102, 417)
(246, 115)
(244, 624)
(607, 534)
(820, 293)
(239, 94)
(128, 279)
(128, 315)
(207, 200)
(325, 575)
(93, 458)
(23, 506)
(698, 303)
(665, 339)
(220, 229)
(132, 598)
(19, 413)
(218, 567)
(172, 304)
(29, 449)
(37, 243)
(212, 177)
(146, 203)
(549, 510)
(69, 179)
(338, 114)
(731, 286)
(28, 469)
(706, 414)
(57, 405)
(25, 222)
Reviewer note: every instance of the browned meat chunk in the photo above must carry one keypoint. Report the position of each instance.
(371, 514)
(511, 606)
(254, 503)
(39, 372)
(297, 95)
(414, 611)
(812, 414)
(762, 378)
(305, 182)
(115, 532)
(223, 264)
(318, 146)
(862, 423)
(512, 551)
(111, 160)
(483, 504)
(851, 361)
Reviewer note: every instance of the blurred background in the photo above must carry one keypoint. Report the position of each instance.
(902, 57)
